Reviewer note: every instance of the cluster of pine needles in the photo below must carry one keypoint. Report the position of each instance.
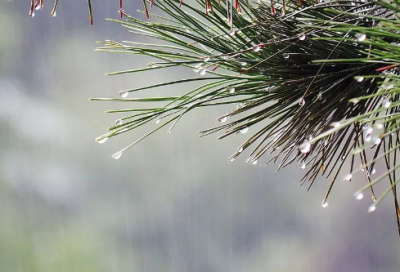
(320, 79)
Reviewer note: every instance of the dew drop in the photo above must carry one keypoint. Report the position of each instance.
(230, 89)
(378, 141)
(124, 94)
(232, 32)
(223, 119)
(354, 100)
(368, 137)
(286, 55)
(240, 149)
(302, 165)
(243, 63)
(302, 37)
(157, 121)
(206, 59)
(231, 159)
(361, 37)
(372, 208)
(244, 130)
(386, 103)
(101, 140)
(254, 162)
(202, 72)
(360, 79)
(348, 177)
(256, 48)
(119, 122)
(368, 129)
(373, 171)
(324, 204)
(305, 147)
(335, 124)
(117, 155)
(54, 14)
(379, 125)
(302, 102)
(359, 195)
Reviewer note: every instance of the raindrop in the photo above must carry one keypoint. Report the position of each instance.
(368, 129)
(117, 155)
(286, 55)
(354, 100)
(378, 141)
(243, 63)
(302, 102)
(223, 119)
(372, 208)
(231, 159)
(54, 14)
(359, 195)
(305, 147)
(335, 124)
(152, 65)
(37, 7)
(386, 103)
(302, 37)
(124, 94)
(379, 125)
(101, 140)
(373, 171)
(360, 79)
(206, 59)
(254, 162)
(324, 203)
(118, 122)
(368, 137)
(361, 37)
(302, 165)
(157, 121)
(319, 96)
(202, 72)
(240, 149)
(244, 130)
(232, 32)
(256, 48)
(348, 177)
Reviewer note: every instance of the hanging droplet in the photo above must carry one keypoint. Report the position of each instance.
(348, 177)
(231, 159)
(305, 147)
(354, 100)
(378, 125)
(372, 208)
(324, 203)
(206, 59)
(386, 103)
(223, 119)
(359, 195)
(232, 32)
(361, 37)
(325, 142)
(302, 165)
(119, 122)
(54, 14)
(152, 65)
(302, 37)
(124, 94)
(256, 48)
(368, 129)
(319, 96)
(335, 124)
(240, 149)
(101, 140)
(244, 130)
(302, 102)
(202, 72)
(360, 79)
(117, 155)
(286, 55)
(230, 89)
(373, 171)
(368, 137)
(157, 121)
(254, 162)
(243, 63)
(378, 141)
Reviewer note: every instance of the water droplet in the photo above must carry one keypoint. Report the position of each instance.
(54, 14)
(117, 155)
(223, 119)
(240, 149)
(254, 162)
(302, 37)
(302, 165)
(243, 63)
(386, 103)
(152, 65)
(378, 141)
(101, 140)
(232, 32)
(319, 96)
(157, 121)
(359, 195)
(368, 129)
(231, 159)
(354, 100)
(360, 79)
(230, 89)
(305, 147)
(202, 72)
(302, 102)
(368, 137)
(348, 177)
(373, 171)
(256, 48)
(124, 94)
(379, 125)
(206, 59)
(119, 122)
(31, 13)
(372, 208)
(37, 6)
(325, 142)
(335, 124)
(361, 37)
(244, 130)
(324, 204)
(286, 55)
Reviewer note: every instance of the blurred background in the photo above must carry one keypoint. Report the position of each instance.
(171, 203)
